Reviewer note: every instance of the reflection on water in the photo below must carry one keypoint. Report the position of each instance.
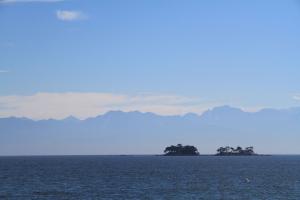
(150, 177)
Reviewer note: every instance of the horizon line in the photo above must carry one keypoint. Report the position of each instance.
(205, 154)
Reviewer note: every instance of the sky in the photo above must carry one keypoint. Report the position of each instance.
(84, 58)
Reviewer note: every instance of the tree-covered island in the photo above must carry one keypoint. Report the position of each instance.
(239, 151)
(180, 150)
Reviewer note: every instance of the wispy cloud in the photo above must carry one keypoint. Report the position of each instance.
(29, 1)
(4, 71)
(70, 15)
(296, 97)
(84, 105)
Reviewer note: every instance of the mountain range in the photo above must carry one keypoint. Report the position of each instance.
(117, 132)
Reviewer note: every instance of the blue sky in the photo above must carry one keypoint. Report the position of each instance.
(205, 53)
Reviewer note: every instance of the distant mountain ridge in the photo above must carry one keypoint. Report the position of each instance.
(118, 132)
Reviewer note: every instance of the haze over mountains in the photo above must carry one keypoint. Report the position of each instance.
(119, 132)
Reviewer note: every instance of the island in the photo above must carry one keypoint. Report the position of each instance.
(180, 150)
(239, 151)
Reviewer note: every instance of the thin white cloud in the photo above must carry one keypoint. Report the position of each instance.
(4, 71)
(297, 97)
(70, 15)
(252, 109)
(29, 1)
(84, 105)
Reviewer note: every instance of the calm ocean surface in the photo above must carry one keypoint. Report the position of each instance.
(150, 177)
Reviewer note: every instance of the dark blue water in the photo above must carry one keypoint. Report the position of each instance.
(150, 177)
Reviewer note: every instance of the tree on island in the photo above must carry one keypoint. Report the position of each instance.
(239, 151)
(180, 150)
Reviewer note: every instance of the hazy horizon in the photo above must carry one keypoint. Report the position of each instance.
(120, 132)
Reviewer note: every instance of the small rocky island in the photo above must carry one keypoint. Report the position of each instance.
(239, 151)
(180, 150)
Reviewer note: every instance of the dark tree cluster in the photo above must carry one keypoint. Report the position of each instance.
(239, 151)
(180, 150)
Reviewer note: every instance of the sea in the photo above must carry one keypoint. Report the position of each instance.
(150, 177)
